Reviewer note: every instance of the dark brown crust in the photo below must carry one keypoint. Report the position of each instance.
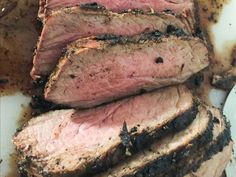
(197, 24)
(92, 6)
(199, 30)
(163, 164)
(138, 142)
(181, 162)
(155, 35)
(201, 154)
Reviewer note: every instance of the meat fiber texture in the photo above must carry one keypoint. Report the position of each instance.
(185, 8)
(69, 24)
(70, 141)
(95, 72)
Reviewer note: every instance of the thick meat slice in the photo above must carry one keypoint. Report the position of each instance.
(95, 72)
(179, 154)
(73, 142)
(69, 24)
(177, 6)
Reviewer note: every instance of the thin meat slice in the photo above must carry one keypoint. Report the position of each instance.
(88, 141)
(216, 165)
(176, 6)
(192, 160)
(95, 72)
(70, 24)
(181, 153)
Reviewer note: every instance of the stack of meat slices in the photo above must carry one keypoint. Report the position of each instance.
(121, 71)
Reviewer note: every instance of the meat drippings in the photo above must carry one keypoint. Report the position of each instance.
(210, 12)
(18, 38)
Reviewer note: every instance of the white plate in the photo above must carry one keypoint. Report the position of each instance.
(230, 112)
(10, 106)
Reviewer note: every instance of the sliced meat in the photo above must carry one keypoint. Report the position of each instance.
(216, 165)
(181, 153)
(95, 72)
(159, 156)
(69, 24)
(88, 141)
(177, 6)
(189, 162)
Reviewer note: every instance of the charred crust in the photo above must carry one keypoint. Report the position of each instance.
(23, 165)
(169, 11)
(40, 82)
(92, 6)
(113, 39)
(107, 37)
(136, 142)
(131, 142)
(125, 136)
(38, 25)
(142, 141)
(197, 25)
(172, 30)
(156, 36)
(39, 105)
(205, 153)
(174, 159)
(148, 11)
(196, 80)
(180, 162)
(158, 167)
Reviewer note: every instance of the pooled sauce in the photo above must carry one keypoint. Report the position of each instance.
(210, 11)
(19, 35)
(13, 165)
(25, 116)
(233, 56)
(18, 38)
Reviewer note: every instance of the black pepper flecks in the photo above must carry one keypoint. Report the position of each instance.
(159, 60)
(72, 76)
(216, 120)
(125, 137)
